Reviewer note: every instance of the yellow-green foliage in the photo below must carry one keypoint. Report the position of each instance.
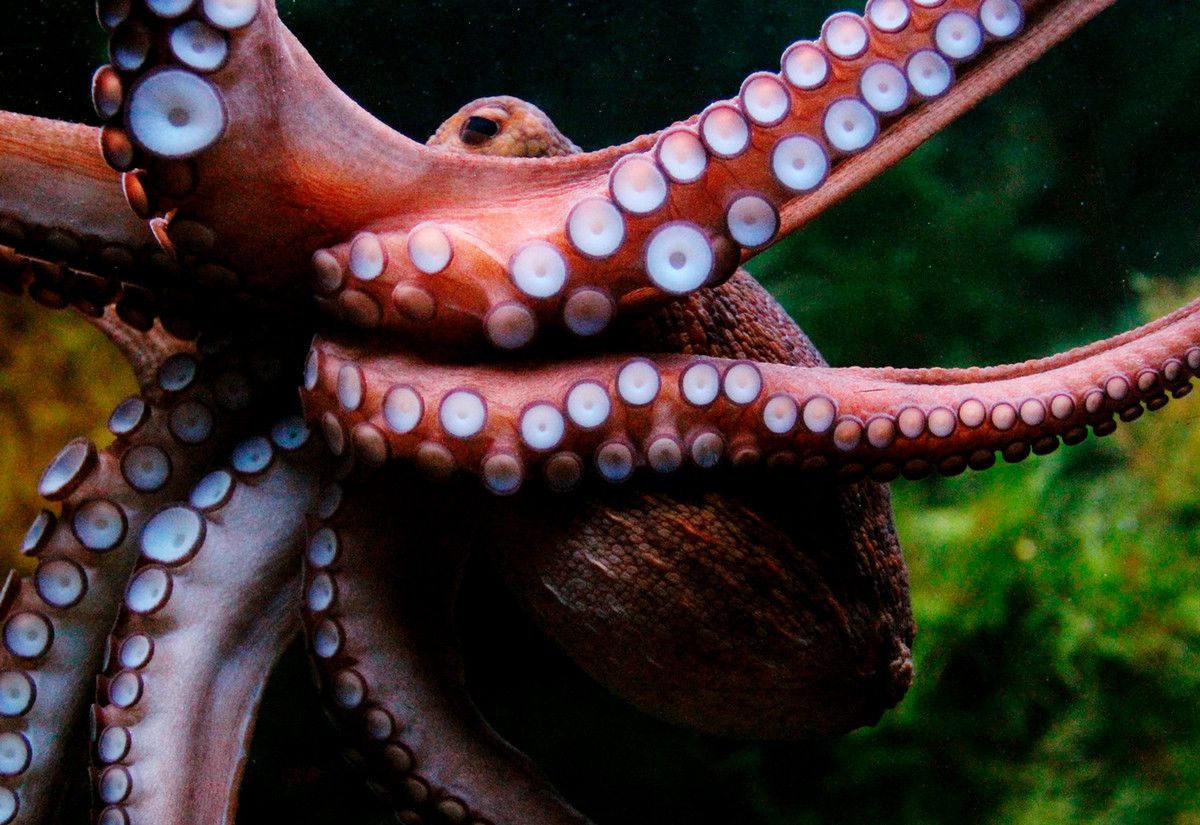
(59, 377)
(1058, 657)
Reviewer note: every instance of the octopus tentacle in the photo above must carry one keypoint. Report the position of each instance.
(679, 214)
(55, 623)
(145, 351)
(67, 238)
(180, 653)
(394, 678)
(911, 130)
(58, 201)
(618, 413)
(138, 295)
(419, 777)
(622, 228)
(197, 86)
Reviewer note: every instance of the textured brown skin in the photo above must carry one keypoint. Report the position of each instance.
(763, 607)
(735, 604)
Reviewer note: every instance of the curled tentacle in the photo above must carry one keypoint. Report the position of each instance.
(393, 676)
(403, 234)
(614, 414)
(56, 622)
(201, 625)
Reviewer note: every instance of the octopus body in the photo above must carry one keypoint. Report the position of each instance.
(556, 352)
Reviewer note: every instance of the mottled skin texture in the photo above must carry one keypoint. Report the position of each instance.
(732, 611)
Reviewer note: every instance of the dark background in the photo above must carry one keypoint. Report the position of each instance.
(1059, 652)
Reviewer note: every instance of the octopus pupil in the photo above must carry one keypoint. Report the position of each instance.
(479, 129)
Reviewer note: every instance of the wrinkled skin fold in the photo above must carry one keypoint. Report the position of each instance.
(675, 485)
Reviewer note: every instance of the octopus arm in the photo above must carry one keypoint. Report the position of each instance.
(631, 225)
(55, 623)
(909, 131)
(615, 414)
(394, 677)
(204, 617)
(145, 351)
(629, 228)
(59, 202)
(67, 236)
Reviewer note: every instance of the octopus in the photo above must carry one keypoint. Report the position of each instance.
(503, 346)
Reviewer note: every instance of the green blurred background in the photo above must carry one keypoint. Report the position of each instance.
(1058, 657)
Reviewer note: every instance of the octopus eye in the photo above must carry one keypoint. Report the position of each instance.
(479, 130)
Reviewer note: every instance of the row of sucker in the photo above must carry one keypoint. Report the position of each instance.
(54, 622)
(680, 215)
(59, 267)
(162, 110)
(93, 260)
(56, 285)
(376, 735)
(154, 94)
(612, 415)
(64, 233)
(391, 681)
(190, 551)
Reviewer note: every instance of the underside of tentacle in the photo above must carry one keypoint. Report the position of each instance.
(204, 618)
(404, 234)
(910, 131)
(56, 622)
(393, 676)
(68, 238)
(632, 229)
(617, 413)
